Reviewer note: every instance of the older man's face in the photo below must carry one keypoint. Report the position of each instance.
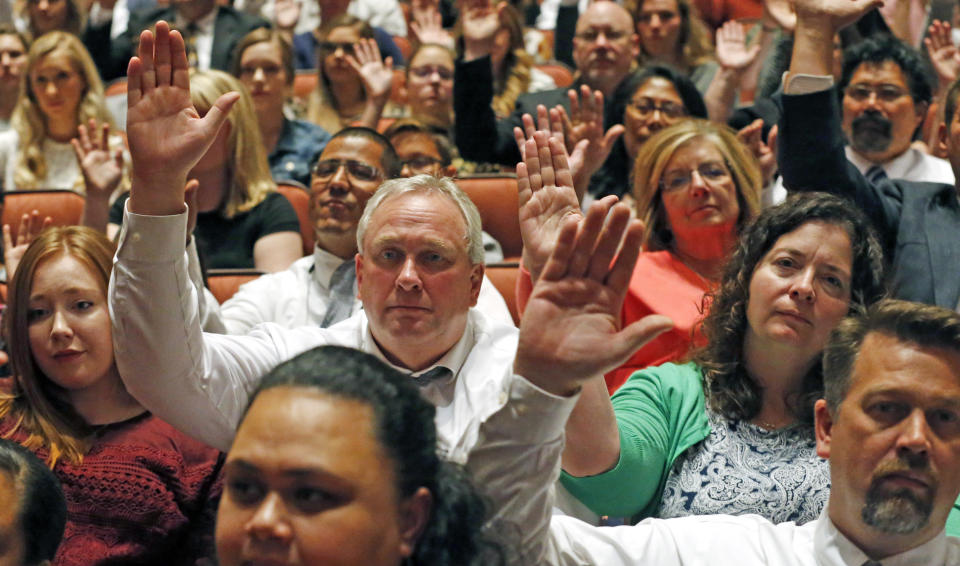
(415, 277)
(894, 444)
(879, 115)
(605, 45)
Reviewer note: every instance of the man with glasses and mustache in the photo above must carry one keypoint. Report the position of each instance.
(320, 289)
(886, 93)
(918, 221)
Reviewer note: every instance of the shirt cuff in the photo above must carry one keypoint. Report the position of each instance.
(152, 238)
(538, 416)
(806, 84)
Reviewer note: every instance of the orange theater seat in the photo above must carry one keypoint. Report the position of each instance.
(63, 206)
(504, 278)
(496, 198)
(560, 73)
(300, 200)
(223, 283)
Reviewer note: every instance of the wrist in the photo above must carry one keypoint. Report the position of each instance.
(473, 49)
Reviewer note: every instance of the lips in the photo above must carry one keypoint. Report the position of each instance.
(68, 356)
(795, 316)
(907, 479)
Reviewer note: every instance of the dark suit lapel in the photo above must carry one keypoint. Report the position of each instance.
(223, 30)
(942, 230)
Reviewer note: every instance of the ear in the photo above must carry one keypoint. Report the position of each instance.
(414, 515)
(358, 262)
(921, 109)
(942, 139)
(823, 427)
(635, 45)
(476, 278)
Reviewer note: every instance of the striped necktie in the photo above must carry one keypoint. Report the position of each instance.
(875, 174)
(341, 293)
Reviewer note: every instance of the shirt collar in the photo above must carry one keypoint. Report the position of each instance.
(832, 548)
(324, 264)
(896, 168)
(204, 24)
(452, 360)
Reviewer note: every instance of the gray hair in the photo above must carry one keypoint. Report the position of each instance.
(431, 185)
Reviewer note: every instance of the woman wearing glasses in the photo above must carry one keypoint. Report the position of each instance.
(263, 61)
(242, 222)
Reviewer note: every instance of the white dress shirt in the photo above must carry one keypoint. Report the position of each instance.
(518, 459)
(201, 383)
(300, 295)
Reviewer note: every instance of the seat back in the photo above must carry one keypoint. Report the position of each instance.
(496, 198)
(560, 73)
(63, 206)
(223, 283)
(300, 200)
(504, 277)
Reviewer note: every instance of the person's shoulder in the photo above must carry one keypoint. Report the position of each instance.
(247, 20)
(310, 130)
(669, 378)
(531, 99)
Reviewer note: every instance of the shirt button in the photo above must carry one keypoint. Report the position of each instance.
(290, 165)
(135, 236)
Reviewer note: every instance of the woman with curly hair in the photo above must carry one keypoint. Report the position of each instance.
(671, 438)
(62, 91)
(138, 491)
(335, 462)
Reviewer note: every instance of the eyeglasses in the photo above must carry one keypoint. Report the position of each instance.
(356, 170)
(591, 35)
(884, 92)
(426, 71)
(332, 46)
(711, 172)
(269, 70)
(419, 164)
(644, 108)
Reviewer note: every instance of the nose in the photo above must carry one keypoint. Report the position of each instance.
(802, 289)
(409, 279)
(43, 5)
(655, 21)
(61, 329)
(258, 75)
(269, 521)
(339, 183)
(698, 186)
(914, 438)
(5, 59)
(406, 171)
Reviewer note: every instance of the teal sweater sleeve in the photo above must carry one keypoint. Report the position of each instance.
(660, 413)
(953, 520)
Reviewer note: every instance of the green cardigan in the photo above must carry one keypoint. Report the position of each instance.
(953, 521)
(661, 413)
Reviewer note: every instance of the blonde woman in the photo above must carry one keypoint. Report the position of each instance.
(138, 491)
(44, 16)
(353, 84)
(62, 90)
(242, 221)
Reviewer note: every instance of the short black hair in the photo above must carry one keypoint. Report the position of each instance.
(692, 100)
(389, 161)
(42, 513)
(880, 48)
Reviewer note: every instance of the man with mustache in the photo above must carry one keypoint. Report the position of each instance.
(886, 93)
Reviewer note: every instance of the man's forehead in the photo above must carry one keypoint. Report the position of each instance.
(888, 363)
(358, 148)
(879, 72)
(409, 143)
(604, 16)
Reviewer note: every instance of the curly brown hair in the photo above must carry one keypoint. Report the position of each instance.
(728, 388)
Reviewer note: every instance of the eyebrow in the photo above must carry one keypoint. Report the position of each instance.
(382, 241)
(245, 466)
(797, 253)
(68, 291)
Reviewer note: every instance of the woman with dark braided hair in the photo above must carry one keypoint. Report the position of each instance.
(335, 463)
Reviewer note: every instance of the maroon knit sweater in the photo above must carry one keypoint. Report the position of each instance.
(145, 494)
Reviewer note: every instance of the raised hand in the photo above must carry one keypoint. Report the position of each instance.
(427, 28)
(286, 13)
(585, 124)
(732, 51)
(377, 75)
(481, 20)
(167, 136)
(752, 136)
(780, 13)
(570, 331)
(102, 168)
(831, 16)
(30, 227)
(943, 53)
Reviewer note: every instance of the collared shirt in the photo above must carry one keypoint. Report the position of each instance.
(300, 296)
(519, 458)
(201, 383)
(204, 36)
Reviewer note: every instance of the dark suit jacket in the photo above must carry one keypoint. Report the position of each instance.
(918, 222)
(111, 57)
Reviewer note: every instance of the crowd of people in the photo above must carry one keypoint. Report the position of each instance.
(738, 337)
